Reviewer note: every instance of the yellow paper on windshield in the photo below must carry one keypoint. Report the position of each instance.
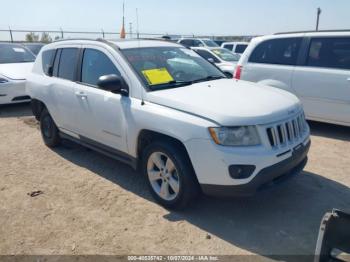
(157, 76)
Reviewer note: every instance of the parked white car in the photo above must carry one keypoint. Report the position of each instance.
(197, 42)
(15, 64)
(161, 107)
(313, 66)
(221, 57)
(235, 47)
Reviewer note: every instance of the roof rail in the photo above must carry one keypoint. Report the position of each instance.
(310, 31)
(74, 39)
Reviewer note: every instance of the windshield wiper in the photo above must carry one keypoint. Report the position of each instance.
(208, 78)
(171, 84)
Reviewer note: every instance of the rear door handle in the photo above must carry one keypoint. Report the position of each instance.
(348, 79)
(81, 95)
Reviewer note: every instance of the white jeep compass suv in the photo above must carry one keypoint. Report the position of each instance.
(164, 109)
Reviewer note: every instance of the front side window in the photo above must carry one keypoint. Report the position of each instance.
(329, 52)
(170, 67)
(96, 64)
(12, 53)
(226, 55)
(240, 49)
(282, 51)
(68, 62)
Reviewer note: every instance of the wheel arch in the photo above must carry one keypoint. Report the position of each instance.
(37, 107)
(147, 136)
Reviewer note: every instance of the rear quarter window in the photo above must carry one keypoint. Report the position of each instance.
(329, 53)
(241, 48)
(47, 60)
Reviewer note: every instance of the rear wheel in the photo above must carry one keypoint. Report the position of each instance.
(49, 130)
(170, 175)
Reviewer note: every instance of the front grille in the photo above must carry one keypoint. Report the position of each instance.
(287, 132)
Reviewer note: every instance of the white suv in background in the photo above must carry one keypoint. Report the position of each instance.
(315, 66)
(235, 47)
(161, 107)
(221, 57)
(197, 42)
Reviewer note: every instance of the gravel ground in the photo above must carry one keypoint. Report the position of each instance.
(90, 204)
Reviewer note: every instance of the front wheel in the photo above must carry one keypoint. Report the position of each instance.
(49, 130)
(170, 175)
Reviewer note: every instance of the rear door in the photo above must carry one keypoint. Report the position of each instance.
(272, 62)
(323, 82)
(62, 88)
(100, 113)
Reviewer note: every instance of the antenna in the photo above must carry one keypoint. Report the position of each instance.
(137, 23)
(122, 33)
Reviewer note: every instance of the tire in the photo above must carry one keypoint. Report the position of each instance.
(49, 130)
(158, 177)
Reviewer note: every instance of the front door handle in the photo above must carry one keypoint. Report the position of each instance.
(82, 95)
(348, 79)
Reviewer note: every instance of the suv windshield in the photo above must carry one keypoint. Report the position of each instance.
(12, 53)
(226, 55)
(210, 43)
(169, 67)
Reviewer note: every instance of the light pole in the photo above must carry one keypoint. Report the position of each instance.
(319, 11)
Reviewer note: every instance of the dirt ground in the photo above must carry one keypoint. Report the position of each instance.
(91, 204)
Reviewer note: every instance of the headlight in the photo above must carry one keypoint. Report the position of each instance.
(235, 136)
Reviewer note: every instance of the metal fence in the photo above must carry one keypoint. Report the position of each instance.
(20, 35)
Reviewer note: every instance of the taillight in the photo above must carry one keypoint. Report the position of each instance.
(238, 72)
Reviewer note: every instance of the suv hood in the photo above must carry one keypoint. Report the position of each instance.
(16, 71)
(229, 102)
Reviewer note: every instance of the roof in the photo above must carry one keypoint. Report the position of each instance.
(338, 33)
(140, 43)
(122, 43)
(316, 32)
(207, 48)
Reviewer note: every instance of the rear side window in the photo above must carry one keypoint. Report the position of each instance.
(330, 53)
(282, 51)
(96, 64)
(240, 49)
(206, 55)
(47, 60)
(68, 63)
(228, 47)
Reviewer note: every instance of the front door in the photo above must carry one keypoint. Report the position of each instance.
(101, 114)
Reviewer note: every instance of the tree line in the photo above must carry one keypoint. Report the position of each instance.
(44, 38)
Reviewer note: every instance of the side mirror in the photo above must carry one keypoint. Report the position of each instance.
(114, 84)
(211, 60)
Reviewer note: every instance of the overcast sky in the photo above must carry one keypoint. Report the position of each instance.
(211, 17)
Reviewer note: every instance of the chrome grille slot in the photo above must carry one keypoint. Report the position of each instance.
(287, 132)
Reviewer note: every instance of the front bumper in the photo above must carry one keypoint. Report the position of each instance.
(266, 177)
